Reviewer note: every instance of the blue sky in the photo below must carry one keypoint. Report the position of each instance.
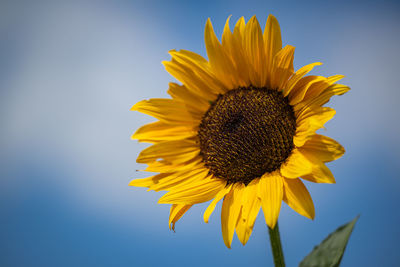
(71, 70)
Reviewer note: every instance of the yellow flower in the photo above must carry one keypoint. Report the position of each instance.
(241, 127)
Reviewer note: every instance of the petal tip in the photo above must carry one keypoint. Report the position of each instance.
(165, 62)
(272, 18)
(162, 201)
(253, 19)
(290, 47)
(133, 182)
(137, 105)
(208, 23)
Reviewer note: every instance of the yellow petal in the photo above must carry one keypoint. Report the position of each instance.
(254, 47)
(317, 88)
(298, 75)
(296, 165)
(220, 63)
(301, 87)
(250, 207)
(202, 73)
(165, 166)
(191, 81)
(239, 55)
(182, 94)
(271, 194)
(195, 58)
(172, 176)
(227, 37)
(298, 198)
(172, 151)
(282, 67)
(324, 148)
(314, 113)
(149, 181)
(320, 173)
(193, 193)
(272, 40)
(213, 203)
(176, 212)
(178, 180)
(167, 110)
(323, 98)
(231, 207)
(335, 78)
(310, 120)
(238, 31)
(160, 131)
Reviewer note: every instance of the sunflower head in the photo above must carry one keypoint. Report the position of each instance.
(246, 133)
(240, 127)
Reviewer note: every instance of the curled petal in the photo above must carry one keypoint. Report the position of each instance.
(176, 212)
(221, 194)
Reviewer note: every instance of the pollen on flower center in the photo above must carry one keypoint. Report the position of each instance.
(246, 133)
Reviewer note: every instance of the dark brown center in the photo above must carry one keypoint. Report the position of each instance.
(246, 133)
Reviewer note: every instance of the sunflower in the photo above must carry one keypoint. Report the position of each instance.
(241, 127)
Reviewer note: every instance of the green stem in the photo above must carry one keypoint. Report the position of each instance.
(276, 246)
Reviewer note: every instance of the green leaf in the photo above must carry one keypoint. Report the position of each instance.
(330, 251)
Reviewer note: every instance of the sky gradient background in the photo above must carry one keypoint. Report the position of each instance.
(71, 70)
